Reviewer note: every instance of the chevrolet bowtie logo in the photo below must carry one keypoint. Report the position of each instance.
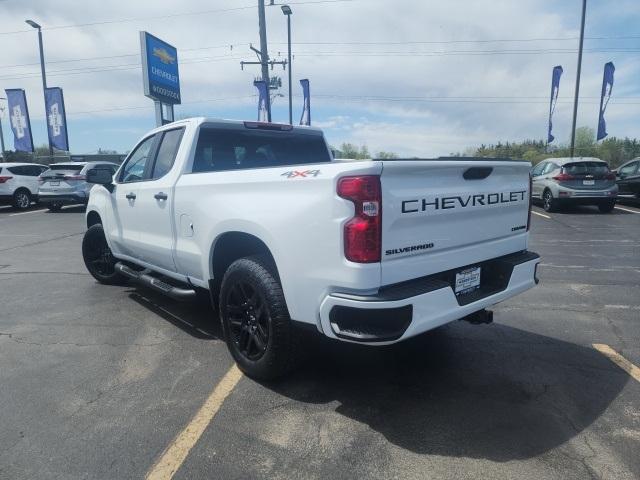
(164, 56)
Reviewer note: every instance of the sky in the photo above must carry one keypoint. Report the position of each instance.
(418, 78)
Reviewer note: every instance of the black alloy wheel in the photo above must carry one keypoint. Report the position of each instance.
(55, 206)
(248, 320)
(255, 319)
(98, 258)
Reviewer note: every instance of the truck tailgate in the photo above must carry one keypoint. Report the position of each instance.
(439, 215)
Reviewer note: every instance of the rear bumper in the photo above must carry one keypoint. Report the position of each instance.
(404, 310)
(77, 197)
(585, 197)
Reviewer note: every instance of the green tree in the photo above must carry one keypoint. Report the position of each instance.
(586, 145)
(386, 155)
(349, 150)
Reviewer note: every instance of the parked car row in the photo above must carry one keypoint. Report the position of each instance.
(556, 183)
(55, 185)
(560, 182)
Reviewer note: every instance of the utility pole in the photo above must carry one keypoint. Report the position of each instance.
(286, 10)
(263, 55)
(577, 92)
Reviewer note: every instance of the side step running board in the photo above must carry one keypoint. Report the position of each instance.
(145, 279)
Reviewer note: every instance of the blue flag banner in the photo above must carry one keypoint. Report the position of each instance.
(19, 120)
(305, 119)
(555, 88)
(607, 86)
(263, 91)
(56, 118)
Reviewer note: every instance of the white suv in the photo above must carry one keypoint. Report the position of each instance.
(19, 183)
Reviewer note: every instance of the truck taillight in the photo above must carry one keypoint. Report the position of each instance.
(530, 201)
(363, 233)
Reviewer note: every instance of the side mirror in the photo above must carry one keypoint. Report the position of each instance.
(101, 176)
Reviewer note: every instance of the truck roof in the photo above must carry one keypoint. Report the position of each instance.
(238, 123)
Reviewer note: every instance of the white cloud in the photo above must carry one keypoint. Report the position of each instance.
(336, 71)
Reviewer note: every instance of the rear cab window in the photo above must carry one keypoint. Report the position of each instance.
(220, 149)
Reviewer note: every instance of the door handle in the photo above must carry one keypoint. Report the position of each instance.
(130, 196)
(160, 196)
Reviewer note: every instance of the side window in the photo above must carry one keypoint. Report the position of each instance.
(133, 170)
(167, 152)
(629, 169)
(537, 170)
(34, 170)
(550, 167)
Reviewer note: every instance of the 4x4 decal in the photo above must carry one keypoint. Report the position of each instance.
(303, 174)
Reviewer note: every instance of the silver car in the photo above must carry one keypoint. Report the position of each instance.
(574, 181)
(66, 183)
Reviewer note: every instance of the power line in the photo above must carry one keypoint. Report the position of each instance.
(446, 42)
(330, 54)
(108, 57)
(480, 100)
(206, 100)
(109, 68)
(232, 45)
(162, 17)
(444, 53)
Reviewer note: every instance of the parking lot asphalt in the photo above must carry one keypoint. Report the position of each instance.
(98, 382)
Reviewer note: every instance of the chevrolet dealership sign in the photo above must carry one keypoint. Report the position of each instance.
(160, 69)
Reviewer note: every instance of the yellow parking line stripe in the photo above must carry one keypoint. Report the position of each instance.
(626, 209)
(30, 211)
(540, 214)
(618, 359)
(177, 451)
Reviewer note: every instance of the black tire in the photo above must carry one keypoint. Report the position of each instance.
(255, 319)
(607, 207)
(55, 206)
(548, 202)
(21, 199)
(98, 258)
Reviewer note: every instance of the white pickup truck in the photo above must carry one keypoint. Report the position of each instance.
(282, 235)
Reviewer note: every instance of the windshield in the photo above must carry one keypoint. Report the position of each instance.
(586, 168)
(229, 150)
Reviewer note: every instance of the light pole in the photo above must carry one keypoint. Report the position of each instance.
(4, 154)
(577, 91)
(44, 78)
(286, 9)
